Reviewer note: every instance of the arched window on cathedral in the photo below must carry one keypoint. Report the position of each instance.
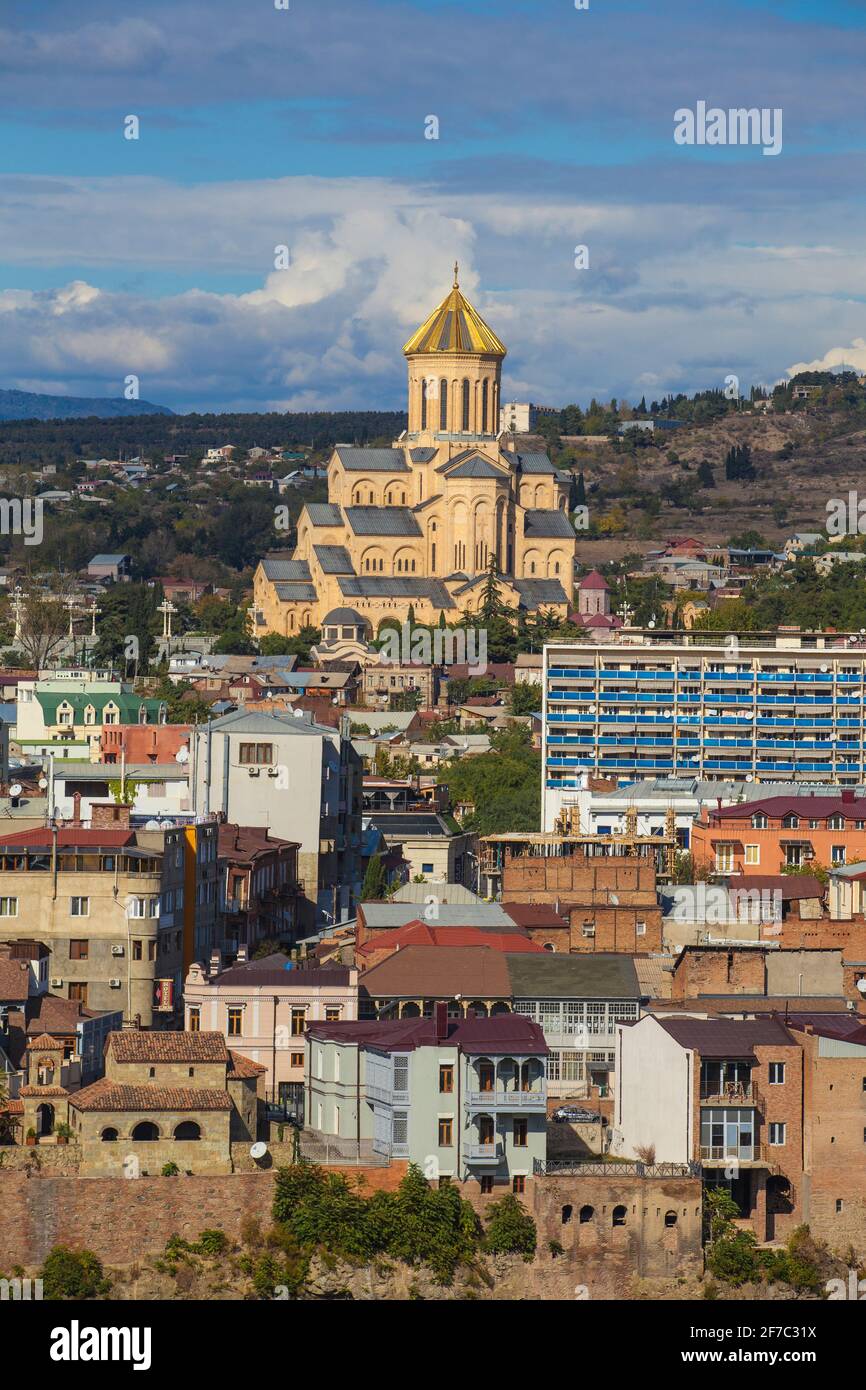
(424, 403)
(465, 424)
(443, 405)
(484, 390)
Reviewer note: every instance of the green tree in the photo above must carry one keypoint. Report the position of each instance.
(375, 880)
(510, 1228)
(75, 1274)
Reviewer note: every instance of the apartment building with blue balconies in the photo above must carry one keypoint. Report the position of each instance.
(727, 712)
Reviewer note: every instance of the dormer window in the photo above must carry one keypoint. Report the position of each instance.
(791, 822)
(90, 715)
(836, 823)
(759, 821)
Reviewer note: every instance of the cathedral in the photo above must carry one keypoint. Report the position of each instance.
(417, 524)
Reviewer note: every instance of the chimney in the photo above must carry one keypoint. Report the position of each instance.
(76, 808)
(848, 795)
(243, 953)
(216, 961)
(441, 1019)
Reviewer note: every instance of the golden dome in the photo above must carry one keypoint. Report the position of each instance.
(455, 326)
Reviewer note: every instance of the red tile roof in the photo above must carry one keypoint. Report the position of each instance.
(134, 1046)
(244, 1067)
(45, 1043)
(440, 972)
(14, 980)
(107, 1095)
(420, 933)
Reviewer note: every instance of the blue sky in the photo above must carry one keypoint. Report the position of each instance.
(305, 127)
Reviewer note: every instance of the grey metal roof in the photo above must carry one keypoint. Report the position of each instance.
(536, 463)
(476, 468)
(280, 571)
(103, 559)
(388, 916)
(534, 592)
(345, 615)
(393, 824)
(264, 722)
(382, 521)
(372, 460)
(324, 514)
(422, 455)
(70, 771)
(597, 975)
(334, 559)
(428, 502)
(398, 587)
(548, 523)
(289, 593)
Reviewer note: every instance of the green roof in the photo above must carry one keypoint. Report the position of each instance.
(128, 706)
(595, 975)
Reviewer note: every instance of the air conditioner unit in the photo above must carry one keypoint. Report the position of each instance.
(253, 772)
(56, 982)
(115, 984)
(117, 950)
(273, 771)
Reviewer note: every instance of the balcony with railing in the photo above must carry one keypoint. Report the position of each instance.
(386, 1094)
(484, 1153)
(743, 1094)
(531, 1100)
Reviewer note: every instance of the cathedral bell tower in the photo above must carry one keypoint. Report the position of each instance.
(455, 369)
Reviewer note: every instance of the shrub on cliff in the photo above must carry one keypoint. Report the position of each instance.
(73, 1274)
(510, 1228)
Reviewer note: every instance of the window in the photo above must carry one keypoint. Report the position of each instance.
(296, 1059)
(137, 952)
(299, 1022)
(640, 928)
(145, 1130)
(519, 1136)
(776, 1133)
(753, 854)
(486, 1184)
(836, 823)
(443, 404)
(518, 1183)
(235, 1022)
(194, 1024)
(79, 907)
(588, 929)
(840, 1205)
(426, 868)
(670, 1218)
(8, 907)
(586, 1214)
(78, 950)
(777, 1073)
(619, 1215)
(837, 854)
(78, 992)
(446, 1133)
(791, 822)
(446, 1079)
(187, 1129)
(332, 1013)
(256, 754)
(724, 858)
(108, 1136)
(465, 422)
(759, 821)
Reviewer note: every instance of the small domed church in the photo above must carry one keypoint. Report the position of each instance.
(417, 524)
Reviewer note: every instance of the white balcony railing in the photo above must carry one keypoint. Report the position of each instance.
(386, 1095)
(483, 1153)
(507, 1100)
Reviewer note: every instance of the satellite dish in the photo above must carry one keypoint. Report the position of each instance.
(182, 755)
(824, 666)
(43, 783)
(861, 985)
(153, 825)
(258, 1150)
(749, 777)
(16, 789)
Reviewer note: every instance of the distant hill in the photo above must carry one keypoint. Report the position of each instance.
(30, 405)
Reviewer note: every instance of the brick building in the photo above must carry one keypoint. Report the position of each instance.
(610, 902)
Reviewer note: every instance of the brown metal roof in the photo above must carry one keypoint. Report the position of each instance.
(727, 1037)
(440, 972)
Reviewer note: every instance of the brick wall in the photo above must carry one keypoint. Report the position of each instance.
(577, 879)
(123, 1220)
(644, 1245)
(718, 972)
